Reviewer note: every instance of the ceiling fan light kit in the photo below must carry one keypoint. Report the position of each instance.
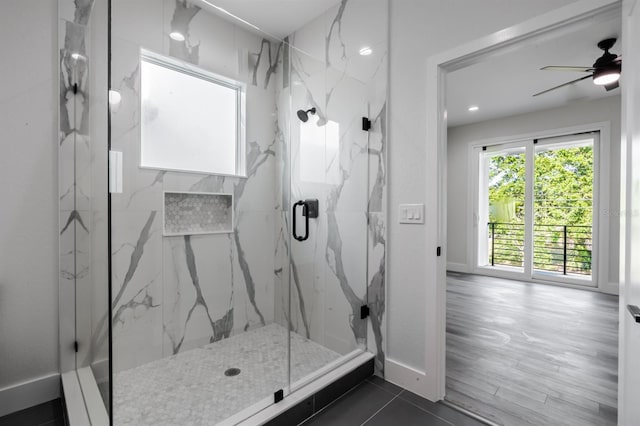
(605, 71)
(606, 75)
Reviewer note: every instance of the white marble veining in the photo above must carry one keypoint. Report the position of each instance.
(177, 293)
(191, 387)
(82, 181)
(174, 295)
(333, 160)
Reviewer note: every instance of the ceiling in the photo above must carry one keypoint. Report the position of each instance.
(503, 85)
(277, 18)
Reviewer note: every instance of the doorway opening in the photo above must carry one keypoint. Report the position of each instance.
(527, 193)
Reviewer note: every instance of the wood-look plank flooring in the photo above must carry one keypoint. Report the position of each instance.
(531, 354)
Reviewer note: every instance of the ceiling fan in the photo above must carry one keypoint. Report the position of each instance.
(605, 70)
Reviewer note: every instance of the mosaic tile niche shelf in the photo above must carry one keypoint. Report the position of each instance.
(192, 213)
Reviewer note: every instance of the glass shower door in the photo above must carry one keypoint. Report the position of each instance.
(329, 171)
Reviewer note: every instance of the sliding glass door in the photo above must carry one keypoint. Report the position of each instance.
(503, 198)
(535, 207)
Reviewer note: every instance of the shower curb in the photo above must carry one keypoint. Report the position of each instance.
(305, 402)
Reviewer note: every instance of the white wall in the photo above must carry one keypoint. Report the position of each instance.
(29, 206)
(461, 137)
(420, 29)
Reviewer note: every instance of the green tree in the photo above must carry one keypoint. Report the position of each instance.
(563, 196)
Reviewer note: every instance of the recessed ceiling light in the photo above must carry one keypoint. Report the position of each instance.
(177, 36)
(366, 51)
(473, 108)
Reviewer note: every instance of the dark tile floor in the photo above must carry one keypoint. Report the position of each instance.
(378, 403)
(374, 402)
(47, 414)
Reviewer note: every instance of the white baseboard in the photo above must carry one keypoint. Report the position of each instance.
(610, 288)
(411, 379)
(457, 267)
(27, 394)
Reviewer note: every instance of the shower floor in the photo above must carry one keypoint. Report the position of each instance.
(190, 388)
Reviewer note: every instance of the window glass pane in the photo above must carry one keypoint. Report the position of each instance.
(188, 122)
(563, 208)
(506, 201)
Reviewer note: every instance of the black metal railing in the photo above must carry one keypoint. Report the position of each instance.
(564, 249)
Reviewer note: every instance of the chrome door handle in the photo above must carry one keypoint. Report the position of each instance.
(635, 312)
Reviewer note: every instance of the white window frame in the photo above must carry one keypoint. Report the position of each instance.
(197, 72)
(601, 205)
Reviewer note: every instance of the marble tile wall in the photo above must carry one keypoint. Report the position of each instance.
(82, 183)
(171, 294)
(175, 293)
(342, 265)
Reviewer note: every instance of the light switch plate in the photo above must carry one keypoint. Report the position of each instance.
(411, 213)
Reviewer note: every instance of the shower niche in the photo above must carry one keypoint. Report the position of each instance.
(225, 118)
(197, 213)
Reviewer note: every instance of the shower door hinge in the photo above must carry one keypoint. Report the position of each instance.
(439, 251)
(75, 88)
(364, 312)
(278, 396)
(75, 346)
(366, 124)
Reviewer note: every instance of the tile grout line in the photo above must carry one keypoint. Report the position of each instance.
(425, 410)
(386, 390)
(329, 404)
(381, 408)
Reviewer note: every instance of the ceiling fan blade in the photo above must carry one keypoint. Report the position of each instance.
(564, 84)
(567, 68)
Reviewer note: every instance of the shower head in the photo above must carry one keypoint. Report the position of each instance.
(304, 115)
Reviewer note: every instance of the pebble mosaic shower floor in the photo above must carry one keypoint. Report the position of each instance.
(190, 388)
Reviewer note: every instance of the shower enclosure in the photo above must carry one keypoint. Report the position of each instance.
(237, 253)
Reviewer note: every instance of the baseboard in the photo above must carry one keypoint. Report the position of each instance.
(610, 288)
(411, 379)
(27, 394)
(457, 267)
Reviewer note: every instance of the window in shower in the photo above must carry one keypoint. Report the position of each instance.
(192, 119)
